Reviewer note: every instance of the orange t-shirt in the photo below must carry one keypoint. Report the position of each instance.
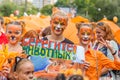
(97, 58)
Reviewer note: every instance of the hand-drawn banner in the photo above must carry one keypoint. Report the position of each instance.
(50, 49)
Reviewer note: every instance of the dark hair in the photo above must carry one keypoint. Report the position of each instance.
(60, 76)
(2, 20)
(21, 23)
(76, 77)
(46, 31)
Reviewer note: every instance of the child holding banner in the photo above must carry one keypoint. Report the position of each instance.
(58, 23)
(96, 59)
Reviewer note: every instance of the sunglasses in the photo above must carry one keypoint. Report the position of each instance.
(100, 23)
(85, 24)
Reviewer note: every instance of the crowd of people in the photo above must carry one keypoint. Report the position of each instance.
(101, 52)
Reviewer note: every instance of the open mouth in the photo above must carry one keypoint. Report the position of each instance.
(85, 39)
(58, 29)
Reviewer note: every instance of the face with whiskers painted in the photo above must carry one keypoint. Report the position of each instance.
(14, 33)
(85, 35)
(58, 24)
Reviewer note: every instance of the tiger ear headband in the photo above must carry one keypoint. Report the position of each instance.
(18, 60)
(92, 25)
(21, 23)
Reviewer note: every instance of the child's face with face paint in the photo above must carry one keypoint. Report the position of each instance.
(58, 25)
(85, 35)
(14, 33)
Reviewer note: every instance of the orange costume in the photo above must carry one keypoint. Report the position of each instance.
(97, 61)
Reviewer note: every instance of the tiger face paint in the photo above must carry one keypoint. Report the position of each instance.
(58, 25)
(14, 33)
(85, 35)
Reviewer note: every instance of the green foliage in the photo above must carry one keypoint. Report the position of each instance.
(85, 7)
(63, 3)
(47, 10)
(108, 9)
(30, 9)
(7, 8)
(93, 9)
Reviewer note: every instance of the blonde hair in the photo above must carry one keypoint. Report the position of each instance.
(79, 25)
(106, 28)
(19, 23)
(17, 65)
(59, 13)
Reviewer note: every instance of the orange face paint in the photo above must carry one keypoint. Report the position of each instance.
(85, 31)
(14, 33)
(85, 35)
(58, 22)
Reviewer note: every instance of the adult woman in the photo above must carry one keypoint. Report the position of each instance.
(105, 41)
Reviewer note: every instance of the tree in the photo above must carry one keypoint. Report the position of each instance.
(108, 9)
(85, 7)
(82, 6)
(97, 9)
(6, 8)
(47, 10)
(30, 9)
(63, 3)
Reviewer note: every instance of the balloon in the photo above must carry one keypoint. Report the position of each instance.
(105, 18)
(16, 12)
(11, 15)
(115, 19)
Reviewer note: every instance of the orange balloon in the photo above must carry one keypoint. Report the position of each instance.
(115, 19)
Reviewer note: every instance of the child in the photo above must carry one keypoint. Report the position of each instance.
(3, 38)
(2, 77)
(76, 77)
(60, 77)
(97, 60)
(14, 31)
(23, 69)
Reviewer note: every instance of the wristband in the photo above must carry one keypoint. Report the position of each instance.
(114, 52)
